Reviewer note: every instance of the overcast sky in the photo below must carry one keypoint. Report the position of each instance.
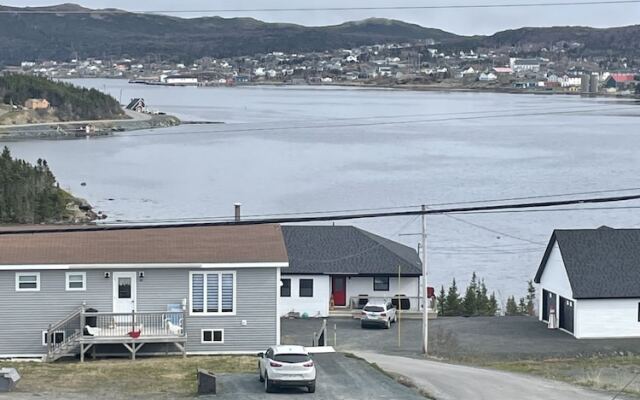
(467, 21)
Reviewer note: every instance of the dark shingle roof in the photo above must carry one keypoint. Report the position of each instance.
(600, 263)
(346, 250)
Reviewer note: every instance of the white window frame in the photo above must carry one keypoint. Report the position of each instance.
(205, 312)
(202, 331)
(84, 282)
(44, 337)
(20, 274)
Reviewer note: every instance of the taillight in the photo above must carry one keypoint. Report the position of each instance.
(308, 365)
(275, 364)
(364, 313)
(383, 314)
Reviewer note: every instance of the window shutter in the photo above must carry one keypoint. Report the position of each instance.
(197, 293)
(212, 293)
(227, 292)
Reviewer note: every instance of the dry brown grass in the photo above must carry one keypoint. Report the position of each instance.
(163, 376)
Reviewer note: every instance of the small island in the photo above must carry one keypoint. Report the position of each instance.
(30, 194)
(37, 107)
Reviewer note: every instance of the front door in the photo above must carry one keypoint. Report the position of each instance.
(339, 290)
(124, 292)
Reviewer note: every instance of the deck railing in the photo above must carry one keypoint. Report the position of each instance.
(404, 303)
(61, 334)
(133, 324)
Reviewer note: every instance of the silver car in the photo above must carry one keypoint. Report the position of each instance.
(287, 366)
(378, 313)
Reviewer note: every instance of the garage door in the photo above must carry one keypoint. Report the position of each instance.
(548, 302)
(566, 314)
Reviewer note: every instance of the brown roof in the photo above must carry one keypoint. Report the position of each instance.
(153, 245)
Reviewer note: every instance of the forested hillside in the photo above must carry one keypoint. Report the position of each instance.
(68, 102)
(29, 194)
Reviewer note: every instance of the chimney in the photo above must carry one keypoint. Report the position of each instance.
(237, 208)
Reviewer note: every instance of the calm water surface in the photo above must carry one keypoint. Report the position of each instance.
(306, 149)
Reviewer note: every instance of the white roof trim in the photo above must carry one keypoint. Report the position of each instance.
(141, 266)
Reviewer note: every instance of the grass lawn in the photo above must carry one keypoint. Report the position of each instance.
(605, 373)
(162, 376)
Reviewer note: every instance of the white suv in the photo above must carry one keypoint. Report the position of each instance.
(378, 313)
(286, 366)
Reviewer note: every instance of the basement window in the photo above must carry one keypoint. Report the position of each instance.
(58, 337)
(212, 335)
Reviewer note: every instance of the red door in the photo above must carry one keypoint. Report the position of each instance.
(339, 290)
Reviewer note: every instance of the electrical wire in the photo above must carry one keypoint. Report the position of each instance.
(310, 9)
(493, 230)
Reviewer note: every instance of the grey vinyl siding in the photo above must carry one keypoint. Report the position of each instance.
(26, 314)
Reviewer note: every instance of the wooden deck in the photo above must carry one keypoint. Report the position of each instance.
(82, 331)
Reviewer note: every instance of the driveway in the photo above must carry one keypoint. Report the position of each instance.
(339, 378)
(453, 382)
(486, 338)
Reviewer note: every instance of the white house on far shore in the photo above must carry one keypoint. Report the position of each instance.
(347, 266)
(590, 280)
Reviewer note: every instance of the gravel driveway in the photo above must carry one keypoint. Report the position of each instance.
(497, 338)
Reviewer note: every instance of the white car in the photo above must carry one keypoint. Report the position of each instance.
(378, 313)
(288, 366)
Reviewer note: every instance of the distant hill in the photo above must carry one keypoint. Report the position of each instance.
(61, 36)
(91, 33)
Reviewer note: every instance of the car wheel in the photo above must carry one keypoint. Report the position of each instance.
(312, 388)
(268, 384)
(362, 325)
(261, 377)
(388, 324)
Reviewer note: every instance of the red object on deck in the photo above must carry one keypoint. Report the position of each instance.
(431, 292)
(135, 334)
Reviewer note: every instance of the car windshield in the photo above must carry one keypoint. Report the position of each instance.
(291, 358)
(374, 308)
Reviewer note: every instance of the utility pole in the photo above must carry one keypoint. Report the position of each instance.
(425, 311)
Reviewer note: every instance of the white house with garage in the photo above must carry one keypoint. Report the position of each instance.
(589, 282)
(343, 267)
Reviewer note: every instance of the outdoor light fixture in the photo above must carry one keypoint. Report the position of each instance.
(141, 275)
(107, 275)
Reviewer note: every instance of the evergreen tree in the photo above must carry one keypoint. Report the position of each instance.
(522, 307)
(531, 299)
(452, 304)
(483, 300)
(29, 194)
(441, 301)
(512, 307)
(492, 307)
(470, 303)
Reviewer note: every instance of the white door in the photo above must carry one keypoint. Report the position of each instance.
(124, 292)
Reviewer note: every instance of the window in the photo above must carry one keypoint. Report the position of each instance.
(58, 337)
(124, 288)
(212, 335)
(28, 282)
(638, 312)
(212, 293)
(306, 287)
(381, 283)
(285, 288)
(76, 281)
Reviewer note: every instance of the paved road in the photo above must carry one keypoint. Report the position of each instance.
(134, 116)
(456, 382)
(339, 378)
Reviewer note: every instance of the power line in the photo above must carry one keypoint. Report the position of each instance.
(493, 230)
(342, 217)
(310, 9)
(304, 213)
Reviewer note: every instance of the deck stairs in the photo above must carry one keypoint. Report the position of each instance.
(70, 331)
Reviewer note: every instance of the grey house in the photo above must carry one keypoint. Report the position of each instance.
(196, 290)
(341, 267)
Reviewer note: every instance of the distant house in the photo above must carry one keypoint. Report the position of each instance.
(144, 290)
(588, 282)
(502, 70)
(618, 81)
(37, 104)
(525, 64)
(137, 105)
(487, 77)
(181, 80)
(345, 266)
